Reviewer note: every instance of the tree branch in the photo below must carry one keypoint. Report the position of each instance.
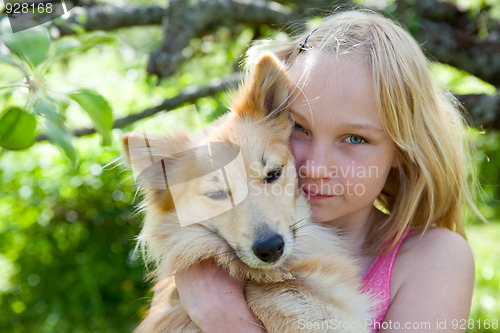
(455, 37)
(462, 50)
(479, 107)
(109, 17)
(450, 35)
(188, 19)
(190, 95)
(482, 110)
(185, 20)
(469, 41)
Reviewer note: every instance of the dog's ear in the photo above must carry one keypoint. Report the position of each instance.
(147, 154)
(265, 92)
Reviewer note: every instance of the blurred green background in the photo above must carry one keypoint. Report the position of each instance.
(68, 222)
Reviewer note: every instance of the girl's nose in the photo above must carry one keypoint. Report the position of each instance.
(316, 164)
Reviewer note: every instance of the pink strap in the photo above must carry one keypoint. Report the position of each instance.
(377, 280)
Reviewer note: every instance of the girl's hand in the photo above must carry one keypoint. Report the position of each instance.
(214, 300)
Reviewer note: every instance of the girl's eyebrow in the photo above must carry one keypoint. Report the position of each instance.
(350, 126)
(361, 126)
(300, 118)
(303, 121)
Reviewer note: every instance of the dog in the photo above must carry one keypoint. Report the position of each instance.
(221, 195)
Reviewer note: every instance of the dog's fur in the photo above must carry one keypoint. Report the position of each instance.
(313, 284)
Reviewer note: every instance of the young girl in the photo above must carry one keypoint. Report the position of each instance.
(380, 154)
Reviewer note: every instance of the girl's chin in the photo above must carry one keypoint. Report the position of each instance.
(320, 214)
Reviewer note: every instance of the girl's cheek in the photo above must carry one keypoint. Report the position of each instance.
(298, 151)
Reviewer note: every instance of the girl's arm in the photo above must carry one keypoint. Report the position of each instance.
(432, 284)
(214, 300)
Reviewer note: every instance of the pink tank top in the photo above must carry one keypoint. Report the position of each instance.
(377, 281)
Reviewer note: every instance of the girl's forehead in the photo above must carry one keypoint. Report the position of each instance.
(327, 87)
(321, 74)
(323, 65)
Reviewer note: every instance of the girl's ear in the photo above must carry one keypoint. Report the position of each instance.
(265, 92)
(395, 160)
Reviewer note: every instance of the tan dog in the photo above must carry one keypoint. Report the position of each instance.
(235, 201)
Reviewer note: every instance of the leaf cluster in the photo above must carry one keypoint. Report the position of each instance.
(33, 52)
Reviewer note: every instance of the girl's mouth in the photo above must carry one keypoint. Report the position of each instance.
(315, 195)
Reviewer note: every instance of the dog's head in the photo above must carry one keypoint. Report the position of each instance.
(236, 179)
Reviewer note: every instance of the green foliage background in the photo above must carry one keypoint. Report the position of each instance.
(67, 249)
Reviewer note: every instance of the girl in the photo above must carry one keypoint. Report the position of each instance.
(380, 154)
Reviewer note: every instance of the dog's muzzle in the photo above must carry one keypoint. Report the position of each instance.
(270, 249)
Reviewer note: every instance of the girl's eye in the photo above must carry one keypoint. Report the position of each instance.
(355, 140)
(299, 128)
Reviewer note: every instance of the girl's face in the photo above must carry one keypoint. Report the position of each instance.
(343, 156)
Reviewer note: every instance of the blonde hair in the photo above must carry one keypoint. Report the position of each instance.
(429, 186)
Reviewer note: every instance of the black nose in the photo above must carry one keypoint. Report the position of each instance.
(269, 249)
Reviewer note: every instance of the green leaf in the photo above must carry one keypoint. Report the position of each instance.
(48, 110)
(8, 60)
(98, 109)
(82, 19)
(77, 28)
(55, 130)
(59, 136)
(31, 45)
(67, 45)
(17, 129)
(96, 39)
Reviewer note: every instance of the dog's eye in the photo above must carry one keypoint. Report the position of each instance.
(273, 175)
(217, 195)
